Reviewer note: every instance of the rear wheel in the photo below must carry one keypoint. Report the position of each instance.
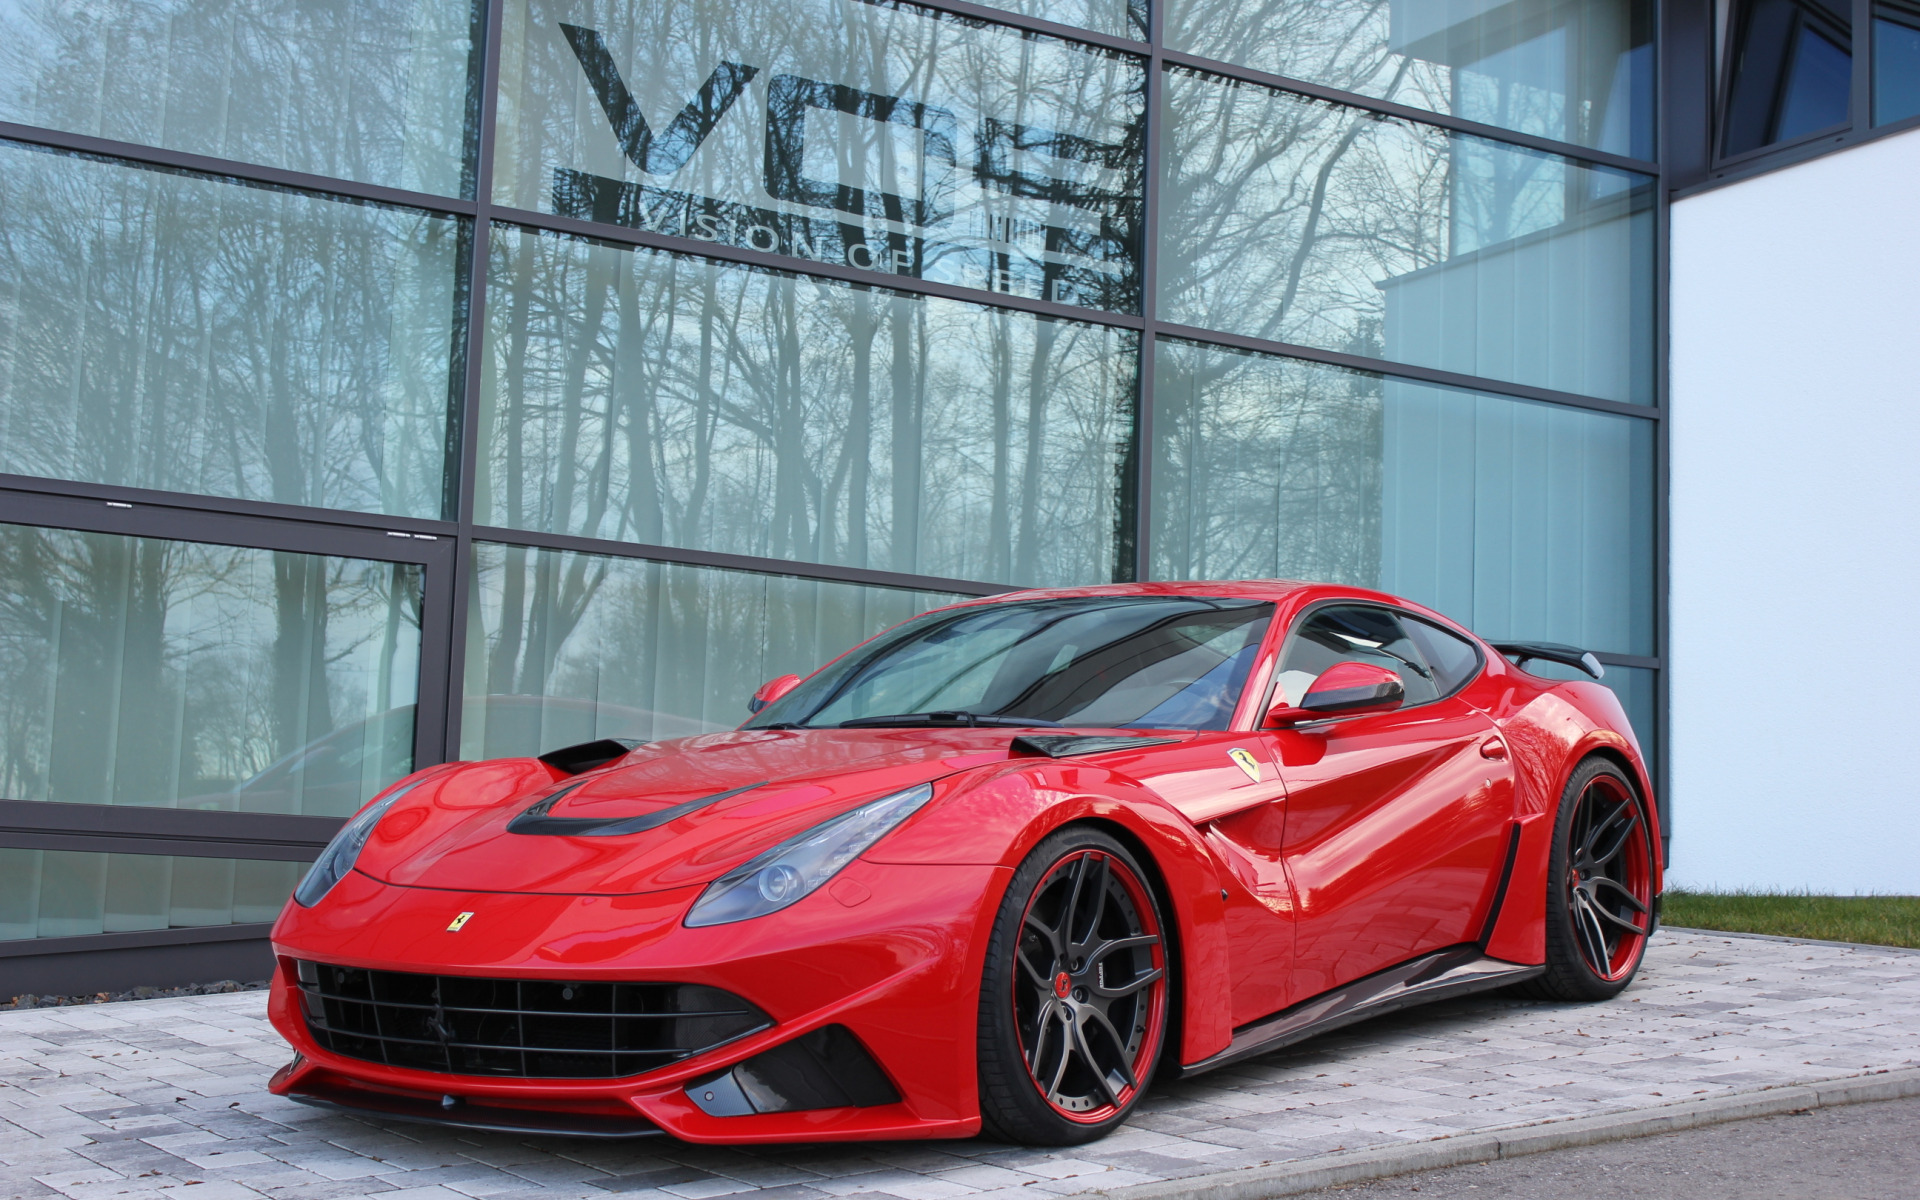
(1599, 887)
(1073, 1001)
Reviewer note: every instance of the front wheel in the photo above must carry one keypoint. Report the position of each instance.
(1073, 1001)
(1599, 887)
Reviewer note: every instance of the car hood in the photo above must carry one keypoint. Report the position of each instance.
(451, 831)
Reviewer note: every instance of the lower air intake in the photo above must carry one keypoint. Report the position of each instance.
(827, 1068)
(516, 1028)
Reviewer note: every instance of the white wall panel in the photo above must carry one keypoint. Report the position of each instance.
(1795, 649)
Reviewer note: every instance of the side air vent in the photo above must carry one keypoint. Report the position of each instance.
(1069, 745)
(827, 1068)
(588, 755)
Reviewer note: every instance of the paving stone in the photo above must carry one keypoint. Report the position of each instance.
(166, 1098)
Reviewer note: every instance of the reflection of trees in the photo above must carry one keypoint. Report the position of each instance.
(1301, 221)
(640, 397)
(169, 332)
(141, 671)
(655, 650)
(1555, 68)
(1265, 467)
(1052, 203)
(368, 90)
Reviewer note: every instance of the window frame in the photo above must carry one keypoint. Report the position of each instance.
(1308, 612)
(1719, 166)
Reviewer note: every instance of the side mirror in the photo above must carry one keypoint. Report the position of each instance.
(772, 690)
(1344, 689)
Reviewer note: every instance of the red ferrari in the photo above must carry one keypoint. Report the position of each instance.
(991, 872)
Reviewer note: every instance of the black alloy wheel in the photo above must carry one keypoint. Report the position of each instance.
(1599, 887)
(1074, 998)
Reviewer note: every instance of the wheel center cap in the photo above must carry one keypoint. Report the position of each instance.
(1062, 985)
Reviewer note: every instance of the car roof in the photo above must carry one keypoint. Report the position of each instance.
(1290, 594)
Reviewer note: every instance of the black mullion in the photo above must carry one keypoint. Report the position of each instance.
(467, 463)
(187, 501)
(1492, 133)
(79, 842)
(1379, 366)
(324, 186)
(1860, 108)
(1153, 152)
(259, 531)
(273, 830)
(1667, 69)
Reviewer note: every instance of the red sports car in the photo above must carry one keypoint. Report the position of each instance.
(990, 872)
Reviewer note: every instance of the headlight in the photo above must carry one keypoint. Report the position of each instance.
(798, 866)
(337, 859)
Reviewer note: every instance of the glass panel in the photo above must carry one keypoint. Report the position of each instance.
(1298, 221)
(751, 412)
(883, 136)
(1577, 71)
(564, 647)
(181, 675)
(1101, 662)
(68, 893)
(1896, 63)
(182, 333)
(1120, 18)
(375, 91)
(1792, 71)
(1519, 520)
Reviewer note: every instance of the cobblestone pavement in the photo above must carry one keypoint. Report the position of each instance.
(166, 1098)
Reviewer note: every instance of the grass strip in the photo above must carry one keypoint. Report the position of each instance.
(1873, 920)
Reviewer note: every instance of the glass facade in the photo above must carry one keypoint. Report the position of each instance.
(70, 893)
(354, 416)
(566, 647)
(185, 334)
(1522, 520)
(137, 671)
(741, 410)
(1295, 220)
(372, 91)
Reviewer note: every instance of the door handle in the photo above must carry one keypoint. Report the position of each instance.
(1494, 748)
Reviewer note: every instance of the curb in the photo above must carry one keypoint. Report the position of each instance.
(1332, 1170)
(1797, 941)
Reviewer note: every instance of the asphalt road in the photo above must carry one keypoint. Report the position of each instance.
(1855, 1152)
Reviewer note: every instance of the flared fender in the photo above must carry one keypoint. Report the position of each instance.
(1550, 739)
(1003, 813)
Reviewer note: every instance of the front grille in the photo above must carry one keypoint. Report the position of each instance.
(523, 1028)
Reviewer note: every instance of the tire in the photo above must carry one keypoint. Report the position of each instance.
(1599, 888)
(1106, 978)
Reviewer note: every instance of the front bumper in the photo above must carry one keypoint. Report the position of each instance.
(891, 953)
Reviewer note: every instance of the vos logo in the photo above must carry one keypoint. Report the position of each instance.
(1104, 235)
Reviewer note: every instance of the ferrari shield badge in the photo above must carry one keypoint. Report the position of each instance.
(1245, 760)
(454, 925)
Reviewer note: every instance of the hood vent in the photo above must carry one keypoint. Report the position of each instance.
(536, 821)
(588, 755)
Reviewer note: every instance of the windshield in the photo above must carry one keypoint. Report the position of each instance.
(1102, 662)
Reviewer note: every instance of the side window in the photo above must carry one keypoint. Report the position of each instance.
(1354, 634)
(1453, 658)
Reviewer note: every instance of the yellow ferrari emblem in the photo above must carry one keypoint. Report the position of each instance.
(1245, 760)
(454, 925)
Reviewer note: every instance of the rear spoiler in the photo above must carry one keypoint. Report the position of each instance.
(1572, 656)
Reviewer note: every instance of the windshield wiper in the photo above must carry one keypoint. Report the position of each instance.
(947, 718)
